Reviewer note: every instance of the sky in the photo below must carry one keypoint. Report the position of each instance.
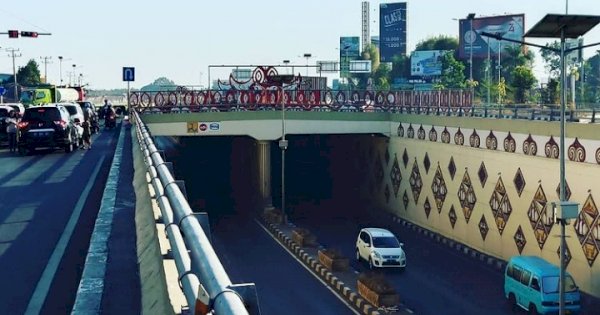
(179, 39)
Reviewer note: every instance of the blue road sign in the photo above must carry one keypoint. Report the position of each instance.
(128, 74)
(2, 90)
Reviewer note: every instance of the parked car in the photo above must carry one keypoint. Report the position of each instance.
(20, 108)
(47, 126)
(532, 283)
(74, 110)
(380, 248)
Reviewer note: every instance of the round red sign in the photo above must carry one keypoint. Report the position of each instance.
(202, 127)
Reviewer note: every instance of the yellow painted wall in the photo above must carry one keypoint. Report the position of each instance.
(582, 179)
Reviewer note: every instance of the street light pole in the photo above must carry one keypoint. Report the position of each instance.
(472, 38)
(60, 59)
(307, 56)
(283, 144)
(563, 101)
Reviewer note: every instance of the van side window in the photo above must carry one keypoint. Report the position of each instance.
(509, 271)
(525, 277)
(535, 284)
(516, 273)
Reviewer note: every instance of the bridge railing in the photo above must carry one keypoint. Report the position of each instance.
(202, 277)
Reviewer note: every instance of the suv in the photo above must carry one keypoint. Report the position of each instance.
(47, 126)
(380, 248)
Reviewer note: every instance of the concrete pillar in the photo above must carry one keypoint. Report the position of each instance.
(264, 173)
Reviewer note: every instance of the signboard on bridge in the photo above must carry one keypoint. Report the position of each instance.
(128, 74)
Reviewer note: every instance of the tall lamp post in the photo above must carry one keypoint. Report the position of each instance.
(561, 26)
(60, 59)
(307, 56)
(472, 38)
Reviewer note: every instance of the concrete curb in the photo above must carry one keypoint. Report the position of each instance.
(91, 286)
(492, 261)
(332, 281)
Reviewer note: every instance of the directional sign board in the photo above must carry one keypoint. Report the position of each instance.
(128, 74)
(2, 90)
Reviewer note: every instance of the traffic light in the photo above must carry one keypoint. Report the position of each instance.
(29, 34)
(13, 34)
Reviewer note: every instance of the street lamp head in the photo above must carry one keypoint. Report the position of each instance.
(307, 55)
(286, 61)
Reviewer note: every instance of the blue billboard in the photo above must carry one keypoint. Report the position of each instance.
(392, 30)
(349, 50)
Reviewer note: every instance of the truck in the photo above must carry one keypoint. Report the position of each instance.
(32, 96)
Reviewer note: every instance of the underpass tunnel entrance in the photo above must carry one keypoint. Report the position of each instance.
(220, 173)
(321, 172)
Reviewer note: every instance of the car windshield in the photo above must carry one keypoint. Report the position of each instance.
(550, 284)
(385, 242)
(43, 114)
(27, 96)
(72, 109)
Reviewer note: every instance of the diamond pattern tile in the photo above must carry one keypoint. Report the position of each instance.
(540, 217)
(405, 200)
(520, 240)
(483, 175)
(438, 186)
(452, 168)
(474, 140)
(433, 136)
(567, 191)
(466, 195)
(426, 163)
(411, 131)
(405, 158)
(587, 228)
(491, 142)
(500, 205)
(519, 181)
(416, 182)
(445, 135)
(427, 207)
(567, 255)
(483, 227)
(452, 216)
(395, 176)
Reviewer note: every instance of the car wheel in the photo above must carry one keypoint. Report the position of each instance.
(357, 255)
(532, 310)
(512, 302)
(371, 266)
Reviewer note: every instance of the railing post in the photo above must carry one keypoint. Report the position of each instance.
(551, 114)
(515, 114)
(571, 113)
(532, 116)
(485, 109)
(593, 115)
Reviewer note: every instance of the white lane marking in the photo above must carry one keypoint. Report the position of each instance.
(309, 270)
(43, 286)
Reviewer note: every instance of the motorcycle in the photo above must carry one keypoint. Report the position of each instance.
(110, 121)
(95, 125)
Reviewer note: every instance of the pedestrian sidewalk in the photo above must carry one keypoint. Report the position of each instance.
(344, 283)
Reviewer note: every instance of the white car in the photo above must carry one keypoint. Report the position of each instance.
(380, 248)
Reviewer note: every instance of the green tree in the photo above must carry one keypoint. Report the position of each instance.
(160, 84)
(522, 79)
(400, 67)
(552, 59)
(29, 75)
(440, 42)
(453, 72)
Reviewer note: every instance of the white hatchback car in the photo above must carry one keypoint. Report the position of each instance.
(380, 248)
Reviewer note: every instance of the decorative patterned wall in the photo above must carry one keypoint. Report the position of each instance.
(492, 193)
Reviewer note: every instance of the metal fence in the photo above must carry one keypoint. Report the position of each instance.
(203, 279)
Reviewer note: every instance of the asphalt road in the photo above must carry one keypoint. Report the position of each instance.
(437, 280)
(42, 195)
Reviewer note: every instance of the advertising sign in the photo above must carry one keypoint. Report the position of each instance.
(392, 30)
(349, 50)
(426, 62)
(507, 26)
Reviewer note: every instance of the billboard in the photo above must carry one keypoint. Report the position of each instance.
(507, 26)
(426, 62)
(392, 30)
(349, 50)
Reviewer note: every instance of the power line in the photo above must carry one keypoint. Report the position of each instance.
(23, 20)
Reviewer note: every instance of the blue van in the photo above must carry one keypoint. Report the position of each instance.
(532, 283)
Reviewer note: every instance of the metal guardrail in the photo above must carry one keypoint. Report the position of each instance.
(203, 279)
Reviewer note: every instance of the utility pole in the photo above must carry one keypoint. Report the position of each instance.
(46, 61)
(12, 52)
